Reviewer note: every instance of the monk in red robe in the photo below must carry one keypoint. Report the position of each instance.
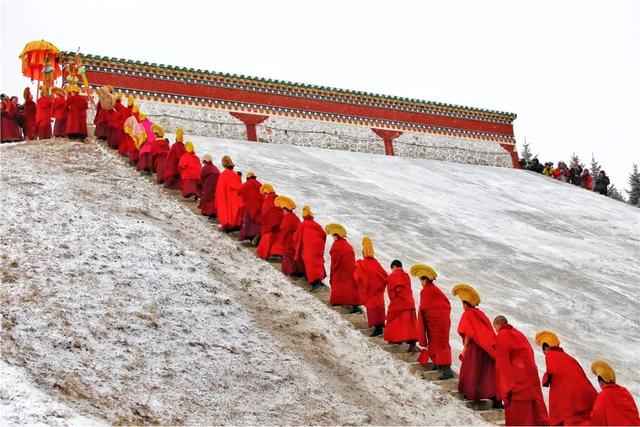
(271, 219)
(614, 405)
(344, 289)
(190, 170)
(571, 395)
(401, 315)
(228, 202)
(252, 200)
(478, 369)
(10, 130)
(115, 122)
(208, 182)
(311, 240)
(76, 106)
(291, 266)
(434, 322)
(59, 112)
(101, 121)
(371, 280)
(517, 375)
(171, 172)
(125, 142)
(159, 152)
(44, 106)
(29, 115)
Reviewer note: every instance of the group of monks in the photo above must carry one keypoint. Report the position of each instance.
(497, 361)
(66, 106)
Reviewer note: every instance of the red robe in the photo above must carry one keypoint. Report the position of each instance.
(125, 142)
(60, 114)
(208, 182)
(478, 369)
(190, 170)
(371, 280)
(228, 201)
(159, 153)
(101, 122)
(401, 315)
(29, 116)
(115, 124)
(518, 382)
(288, 228)
(614, 406)
(571, 395)
(44, 107)
(434, 323)
(252, 201)
(311, 240)
(10, 130)
(270, 237)
(76, 107)
(344, 289)
(171, 171)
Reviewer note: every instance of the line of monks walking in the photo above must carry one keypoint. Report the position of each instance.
(497, 361)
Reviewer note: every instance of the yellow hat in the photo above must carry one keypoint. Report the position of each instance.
(135, 109)
(130, 101)
(57, 91)
(602, 369)
(306, 211)
(285, 202)
(142, 116)
(466, 293)
(266, 188)
(179, 135)
(72, 88)
(367, 247)
(250, 174)
(547, 337)
(109, 88)
(188, 147)
(422, 270)
(207, 158)
(119, 96)
(157, 129)
(333, 228)
(227, 162)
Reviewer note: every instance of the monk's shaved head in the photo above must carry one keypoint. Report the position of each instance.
(500, 320)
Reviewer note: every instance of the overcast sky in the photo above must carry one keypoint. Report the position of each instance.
(569, 69)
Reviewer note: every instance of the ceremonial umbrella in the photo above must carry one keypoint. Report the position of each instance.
(37, 55)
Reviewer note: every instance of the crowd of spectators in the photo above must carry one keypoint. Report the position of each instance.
(575, 174)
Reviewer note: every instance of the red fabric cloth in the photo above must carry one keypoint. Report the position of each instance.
(288, 228)
(228, 201)
(571, 395)
(434, 324)
(614, 406)
(477, 373)
(208, 181)
(517, 379)
(29, 117)
(271, 217)
(371, 280)
(76, 107)
(171, 171)
(189, 187)
(401, 314)
(125, 143)
(344, 289)
(10, 129)
(44, 108)
(190, 167)
(101, 120)
(252, 201)
(145, 162)
(311, 240)
(114, 124)
(476, 326)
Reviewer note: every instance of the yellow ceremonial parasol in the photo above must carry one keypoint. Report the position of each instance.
(39, 58)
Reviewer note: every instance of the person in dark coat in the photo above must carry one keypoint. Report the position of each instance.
(575, 174)
(536, 166)
(602, 182)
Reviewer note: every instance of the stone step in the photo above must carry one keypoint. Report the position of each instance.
(455, 394)
(479, 405)
(493, 416)
(407, 357)
(342, 309)
(449, 385)
(379, 340)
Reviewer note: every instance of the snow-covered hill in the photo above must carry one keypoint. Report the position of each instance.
(543, 253)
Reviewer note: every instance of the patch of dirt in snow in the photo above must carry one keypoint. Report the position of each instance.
(119, 301)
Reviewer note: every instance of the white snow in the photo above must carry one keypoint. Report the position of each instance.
(121, 305)
(543, 253)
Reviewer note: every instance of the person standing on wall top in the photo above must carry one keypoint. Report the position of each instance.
(43, 115)
(575, 174)
(371, 279)
(571, 395)
(614, 405)
(602, 183)
(586, 179)
(402, 325)
(76, 107)
(29, 115)
(517, 375)
(434, 322)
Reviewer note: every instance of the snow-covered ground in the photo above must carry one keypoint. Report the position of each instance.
(119, 305)
(543, 253)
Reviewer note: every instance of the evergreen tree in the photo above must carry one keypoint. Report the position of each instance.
(526, 152)
(615, 194)
(576, 159)
(595, 167)
(634, 184)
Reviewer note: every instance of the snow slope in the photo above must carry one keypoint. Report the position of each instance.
(543, 253)
(118, 303)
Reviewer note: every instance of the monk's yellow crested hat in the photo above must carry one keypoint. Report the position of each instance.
(602, 369)
(333, 228)
(422, 270)
(227, 162)
(285, 202)
(157, 129)
(266, 188)
(547, 337)
(367, 247)
(130, 101)
(188, 147)
(466, 293)
(251, 174)
(179, 135)
(306, 211)
(207, 158)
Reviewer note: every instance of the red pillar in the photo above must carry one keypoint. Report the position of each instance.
(250, 121)
(387, 136)
(511, 149)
